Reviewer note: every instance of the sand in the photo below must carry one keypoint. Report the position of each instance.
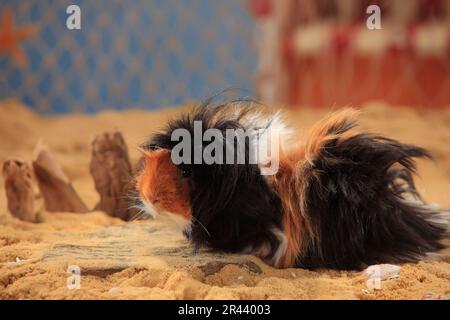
(150, 259)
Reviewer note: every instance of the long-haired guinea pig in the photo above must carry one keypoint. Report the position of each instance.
(341, 198)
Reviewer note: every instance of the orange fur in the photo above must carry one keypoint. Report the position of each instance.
(291, 220)
(325, 130)
(160, 182)
(295, 173)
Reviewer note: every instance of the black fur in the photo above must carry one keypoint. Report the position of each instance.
(357, 201)
(232, 205)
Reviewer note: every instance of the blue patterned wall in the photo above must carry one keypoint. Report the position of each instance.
(136, 53)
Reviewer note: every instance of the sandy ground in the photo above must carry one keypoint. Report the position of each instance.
(150, 259)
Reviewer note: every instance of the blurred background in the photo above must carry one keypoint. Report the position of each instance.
(154, 53)
(137, 53)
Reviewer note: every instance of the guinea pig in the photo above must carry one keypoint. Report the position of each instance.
(340, 198)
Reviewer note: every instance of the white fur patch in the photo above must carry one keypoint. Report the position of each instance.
(282, 247)
(151, 210)
(263, 251)
(270, 123)
(271, 135)
(440, 218)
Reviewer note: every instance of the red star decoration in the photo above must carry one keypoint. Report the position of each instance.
(11, 36)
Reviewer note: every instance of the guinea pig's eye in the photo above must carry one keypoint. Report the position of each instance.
(185, 172)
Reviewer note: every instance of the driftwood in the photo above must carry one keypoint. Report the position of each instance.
(112, 173)
(55, 187)
(19, 190)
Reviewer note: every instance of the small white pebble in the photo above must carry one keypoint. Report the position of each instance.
(113, 290)
(383, 271)
(240, 278)
(18, 260)
(293, 275)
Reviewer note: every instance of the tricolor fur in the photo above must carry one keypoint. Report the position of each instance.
(340, 199)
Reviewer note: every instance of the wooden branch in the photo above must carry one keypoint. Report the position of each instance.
(55, 187)
(19, 190)
(112, 173)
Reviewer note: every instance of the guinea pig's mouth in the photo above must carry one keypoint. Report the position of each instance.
(153, 210)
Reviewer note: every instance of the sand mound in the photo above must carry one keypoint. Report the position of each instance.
(150, 259)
